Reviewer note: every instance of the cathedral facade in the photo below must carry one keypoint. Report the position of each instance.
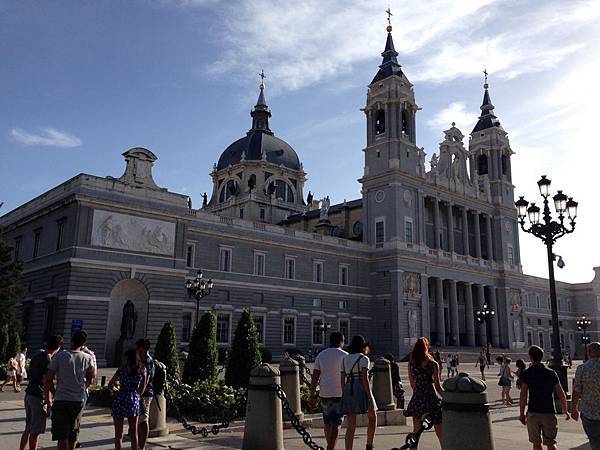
(418, 254)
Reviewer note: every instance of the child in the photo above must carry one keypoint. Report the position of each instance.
(11, 373)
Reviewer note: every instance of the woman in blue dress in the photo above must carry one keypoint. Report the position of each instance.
(132, 381)
(424, 377)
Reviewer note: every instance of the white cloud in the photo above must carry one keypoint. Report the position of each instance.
(50, 137)
(454, 112)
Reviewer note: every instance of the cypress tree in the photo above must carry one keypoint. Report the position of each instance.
(245, 353)
(10, 289)
(4, 344)
(166, 349)
(201, 363)
(14, 343)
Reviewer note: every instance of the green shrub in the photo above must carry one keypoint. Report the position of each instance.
(100, 396)
(294, 351)
(201, 363)
(244, 354)
(3, 371)
(222, 352)
(205, 401)
(266, 355)
(14, 343)
(166, 349)
(4, 344)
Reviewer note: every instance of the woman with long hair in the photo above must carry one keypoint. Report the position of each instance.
(506, 377)
(127, 403)
(357, 397)
(424, 377)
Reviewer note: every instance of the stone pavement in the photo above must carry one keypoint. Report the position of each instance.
(97, 429)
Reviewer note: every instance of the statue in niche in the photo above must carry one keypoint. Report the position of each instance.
(515, 301)
(517, 330)
(412, 284)
(434, 163)
(456, 167)
(412, 323)
(129, 320)
(421, 162)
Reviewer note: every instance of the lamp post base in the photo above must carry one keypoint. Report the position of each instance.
(561, 371)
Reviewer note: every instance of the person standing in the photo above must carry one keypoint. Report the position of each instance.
(326, 375)
(424, 377)
(128, 401)
(539, 384)
(586, 395)
(357, 397)
(482, 361)
(75, 372)
(21, 362)
(438, 359)
(35, 411)
(11, 373)
(519, 372)
(506, 377)
(488, 354)
(143, 347)
(449, 366)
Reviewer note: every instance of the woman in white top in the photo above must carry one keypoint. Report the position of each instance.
(11, 373)
(357, 397)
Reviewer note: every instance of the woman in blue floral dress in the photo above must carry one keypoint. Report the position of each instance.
(424, 377)
(128, 401)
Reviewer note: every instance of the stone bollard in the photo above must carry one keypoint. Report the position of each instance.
(382, 385)
(264, 424)
(290, 383)
(466, 413)
(157, 422)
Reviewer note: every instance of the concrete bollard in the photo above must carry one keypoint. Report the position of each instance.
(264, 424)
(465, 409)
(382, 385)
(103, 381)
(157, 422)
(290, 383)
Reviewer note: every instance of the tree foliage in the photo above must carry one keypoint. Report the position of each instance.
(4, 337)
(14, 343)
(10, 288)
(201, 363)
(166, 349)
(245, 353)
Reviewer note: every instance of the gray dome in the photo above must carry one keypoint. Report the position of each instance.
(254, 144)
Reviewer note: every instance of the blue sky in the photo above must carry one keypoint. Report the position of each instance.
(81, 82)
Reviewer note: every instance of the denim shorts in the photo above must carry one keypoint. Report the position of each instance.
(592, 429)
(332, 410)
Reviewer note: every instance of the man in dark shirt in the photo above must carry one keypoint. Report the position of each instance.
(541, 383)
(142, 347)
(35, 412)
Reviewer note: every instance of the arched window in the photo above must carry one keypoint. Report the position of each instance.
(379, 121)
(482, 164)
(504, 164)
(229, 190)
(283, 191)
(404, 122)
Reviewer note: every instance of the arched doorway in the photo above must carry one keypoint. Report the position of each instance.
(127, 317)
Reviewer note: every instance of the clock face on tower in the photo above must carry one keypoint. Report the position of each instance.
(357, 228)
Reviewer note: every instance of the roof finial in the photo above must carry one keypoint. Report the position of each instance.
(389, 19)
(485, 83)
(262, 79)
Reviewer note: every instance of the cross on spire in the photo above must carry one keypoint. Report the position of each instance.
(389, 14)
(262, 79)
(485, 73)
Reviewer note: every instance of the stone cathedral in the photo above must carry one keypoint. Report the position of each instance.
(417, 255)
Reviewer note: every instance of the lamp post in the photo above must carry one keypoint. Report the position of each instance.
(549, 230)
(325, 327)
(582, 325)
(198, 288)
(484, 315)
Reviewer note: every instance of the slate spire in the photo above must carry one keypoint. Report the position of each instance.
(487, 119)
(389, 65)
(261, 112)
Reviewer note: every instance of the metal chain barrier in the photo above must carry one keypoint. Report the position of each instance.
(303, 370)
(230, 415)
(412, 439)
(306, 437)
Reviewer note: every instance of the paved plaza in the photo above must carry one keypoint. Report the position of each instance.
(97, 429)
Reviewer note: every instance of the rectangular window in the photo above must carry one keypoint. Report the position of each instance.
(259, 321)
(225, 259)
(343, 304)
(408, 230)
(17, 250)
(541, 339)
(241, 213)
(186, 326)
(529, 339)
(379, 232)
(316, 302)
(317, 331)
(344, 328)
(36, 242)
(262, 213)
(259, 263)
(223, 325)
(510, 256)
(344, 275)
(289, 331)
(290, 268)
(50, 317)
(60, 233)
(189, 255)
(318, 271)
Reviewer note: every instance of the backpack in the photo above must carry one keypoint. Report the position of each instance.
(159, 380)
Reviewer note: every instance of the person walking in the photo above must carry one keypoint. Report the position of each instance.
(438, 359)
(506, 377)
(142, 347)
(488, 354)
(449, 364)
(35, 410)
(21, 363)
(482, 362)
(75, 372)
(538, 385)
(326, 376)
(11, 373)
(586, 395)
(357, 397)
(128, 400)
(519, 372)
(424, 377)
(397, 387)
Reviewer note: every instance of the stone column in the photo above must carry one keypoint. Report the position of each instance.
(399, 320)
(477, 234)
(439, 312)
(494, 320)
(482, 327)
(436, 223)
(425, 324)
(290, 383)
(469, 314)
(264, 423)
(504, 299)
(382, 385)
(454, 322)
(450, 229)
(421, 222)
(465, 231)
(488, 233)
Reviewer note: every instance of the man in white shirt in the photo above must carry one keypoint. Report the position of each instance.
(326, 374)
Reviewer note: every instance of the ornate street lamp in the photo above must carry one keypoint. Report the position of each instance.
(325, 327)
(198, 288)
(582, 325)
(549, 231)
(484, 315)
